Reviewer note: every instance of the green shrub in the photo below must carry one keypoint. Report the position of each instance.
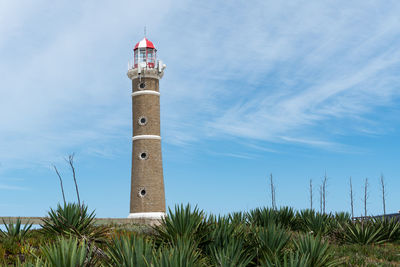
(342, 217)
(187, 237)
(290, 259)
(270, 242)
(226, 245)
(15, 232)
(182, 253)
(13, 242)
(221, 232)
(183, 224)
(316, 250)
(68, 253)
(233, 253)
(363, 233)
(73, 220)
(262, 217)
(37, 263)
(237, 218)
(285, 217)
(129, 251)
(390, 228)
(315, 223)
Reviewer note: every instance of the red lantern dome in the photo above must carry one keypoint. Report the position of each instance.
(145, 54)
(145, 43)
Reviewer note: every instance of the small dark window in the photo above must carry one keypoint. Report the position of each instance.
(143, 192)
(142, 85)
(143, 155)
(142, 120)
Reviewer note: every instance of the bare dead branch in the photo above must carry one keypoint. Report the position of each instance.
(273, 202)
(382, 179)
(70, 161)
(320, 198)
(366, 195)
(351, 198)
(61, 183)
(324, 185)
(311, 195)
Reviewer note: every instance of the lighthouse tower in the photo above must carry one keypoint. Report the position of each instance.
(147, 184)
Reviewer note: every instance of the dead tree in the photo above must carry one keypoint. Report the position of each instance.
(70, 161)
(273, 202)
(366, 195)
(320, 198)
(311, 195)
(324, 184)
(351, 198)
(383, 194)
(61, 183)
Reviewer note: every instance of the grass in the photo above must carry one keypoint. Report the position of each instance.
(368, 255)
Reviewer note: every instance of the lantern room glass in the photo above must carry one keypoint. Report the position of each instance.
(142, 55)
(136, 57)
(147, 55)
(150, 55)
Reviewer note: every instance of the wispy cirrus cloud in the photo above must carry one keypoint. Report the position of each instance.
(63, 85)
(288, 73)
(11, 187)
(298, 72)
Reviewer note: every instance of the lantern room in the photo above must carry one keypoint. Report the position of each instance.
(144, 54)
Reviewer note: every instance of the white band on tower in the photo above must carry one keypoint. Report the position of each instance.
(145, 92)
(139, 137)
(147, 215)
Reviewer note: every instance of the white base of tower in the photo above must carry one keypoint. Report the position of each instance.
(147, 215)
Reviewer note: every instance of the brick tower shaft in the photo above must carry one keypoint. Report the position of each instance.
(147, 184)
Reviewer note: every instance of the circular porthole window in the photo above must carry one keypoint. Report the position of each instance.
(142, 120)
(142, 192)
(142, 85)
(143, 155)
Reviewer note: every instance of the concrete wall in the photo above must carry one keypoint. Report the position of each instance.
(98, 221)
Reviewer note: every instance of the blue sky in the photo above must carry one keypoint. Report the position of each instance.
(295, 88)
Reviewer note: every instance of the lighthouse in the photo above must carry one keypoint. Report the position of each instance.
(147, 199)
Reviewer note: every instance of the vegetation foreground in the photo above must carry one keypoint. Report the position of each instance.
(189, 237)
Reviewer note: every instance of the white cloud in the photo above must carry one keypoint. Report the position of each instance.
(261, 70)
(11, 187)
(278, 72)
(64, 84)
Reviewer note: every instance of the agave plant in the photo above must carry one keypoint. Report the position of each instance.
(37, 263)
(221, 232)
(232, 253)
(237, 218)
(130, 250)
(262, 217)
(15, 232)
(289, 260)
(390, 228)
(363, 233)
(183, 224)
(226, 245)
(315, 223)
(181, 254)
(68, 253)
(342, 217)
(73, 219)
(270, 242)
(286, 217)
(316, 250)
